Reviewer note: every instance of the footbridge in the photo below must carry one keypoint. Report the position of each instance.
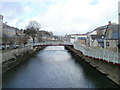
(52, 44)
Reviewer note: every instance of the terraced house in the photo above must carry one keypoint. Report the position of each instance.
(1, 27)
(111, 37)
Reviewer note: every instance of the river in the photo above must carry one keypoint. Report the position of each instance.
(55, 67)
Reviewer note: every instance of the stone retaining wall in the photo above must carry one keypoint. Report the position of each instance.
(111, 71)
(18, 58)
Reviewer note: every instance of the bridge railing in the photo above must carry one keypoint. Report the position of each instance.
(51, 43)
(101, 54)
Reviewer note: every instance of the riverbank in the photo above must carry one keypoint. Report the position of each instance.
(55, 67)
(109, 70)
(17, 58)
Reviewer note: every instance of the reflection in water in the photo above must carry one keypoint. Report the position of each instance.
(54, 67)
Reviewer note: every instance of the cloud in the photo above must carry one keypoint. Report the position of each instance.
(79, 16)
(30, 0)
(11, 11)
(28, 9)
(66, 16)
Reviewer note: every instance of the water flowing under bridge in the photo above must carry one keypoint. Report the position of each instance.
(100, 54)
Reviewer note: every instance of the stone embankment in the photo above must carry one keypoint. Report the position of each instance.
(15, 57)
(109, 70)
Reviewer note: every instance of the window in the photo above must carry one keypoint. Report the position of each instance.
(107, 43)
(72, 37)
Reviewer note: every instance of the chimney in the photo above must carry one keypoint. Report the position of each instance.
(109, 23)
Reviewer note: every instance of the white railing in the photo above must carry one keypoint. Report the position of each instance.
(51, 43)
(88, 51)
(98, 53)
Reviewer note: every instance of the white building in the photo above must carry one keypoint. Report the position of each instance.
(119, 11)
(111, 38)
(1, 24)
(74, 37)
(1, 27)
(89, 40)
(8, 30)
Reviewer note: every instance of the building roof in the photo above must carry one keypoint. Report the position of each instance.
(97, 37)
(81, 38)
(103, 27)
(99, 28)
(99, 40)
(114, 36)
(78, 34)
(101, 44)
(10, 27)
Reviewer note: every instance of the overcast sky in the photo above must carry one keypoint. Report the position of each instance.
(60, 16)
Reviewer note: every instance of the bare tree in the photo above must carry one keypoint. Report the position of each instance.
(34, 24)
(20, 39)
(32, 29)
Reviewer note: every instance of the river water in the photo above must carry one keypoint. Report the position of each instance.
(55, 67)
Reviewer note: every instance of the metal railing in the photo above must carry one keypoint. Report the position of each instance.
(101, 54)
(51, 43)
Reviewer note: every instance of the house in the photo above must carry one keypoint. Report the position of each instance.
(97, 35)
(1, 24)
(8, 30)
(19, 32)
(67, 38)
(74, 37)
(101, 30)
(97, 41)
(1, 27)
(89, 39)
(82, 40)
(111, 37)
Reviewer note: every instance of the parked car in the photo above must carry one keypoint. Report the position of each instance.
(3, 47)
(15, 46)
(7, 46)
(0, 47)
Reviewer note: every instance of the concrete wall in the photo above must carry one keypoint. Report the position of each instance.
(112, 45)
(18, 58)
(111, 71)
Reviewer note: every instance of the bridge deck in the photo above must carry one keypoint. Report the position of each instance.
(54, 45)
